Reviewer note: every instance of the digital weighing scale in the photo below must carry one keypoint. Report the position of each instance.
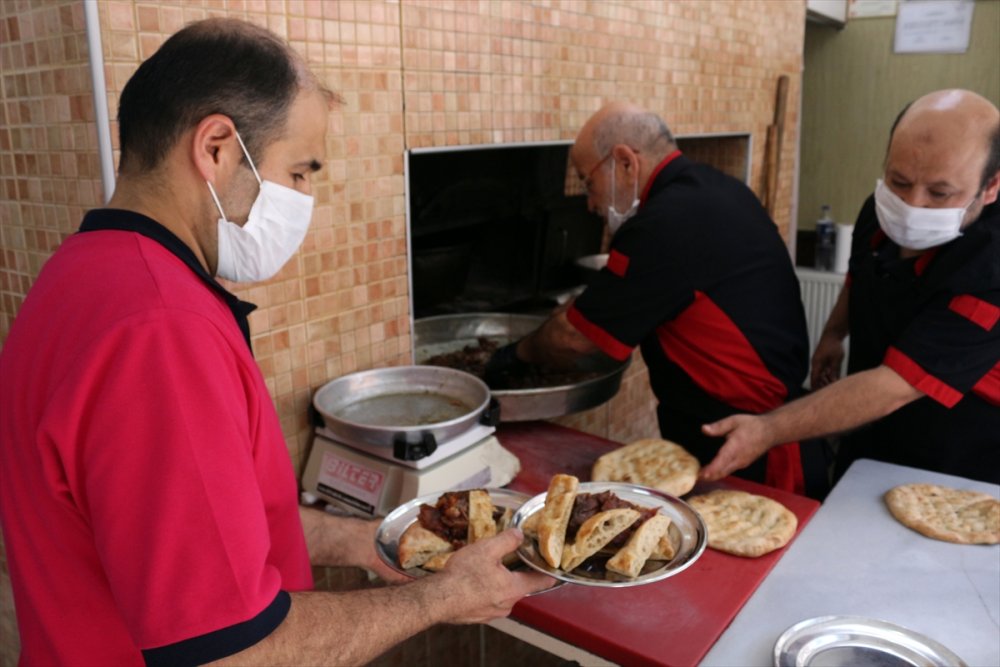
(369, 481)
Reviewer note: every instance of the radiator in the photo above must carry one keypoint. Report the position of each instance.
(820, 290)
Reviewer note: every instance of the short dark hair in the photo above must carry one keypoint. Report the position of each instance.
(218, 65)
(993, 147)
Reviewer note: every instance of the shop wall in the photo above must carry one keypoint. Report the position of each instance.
(415, 73)
(853, 88)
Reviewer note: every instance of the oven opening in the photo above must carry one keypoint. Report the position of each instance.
(499, 228)
(496, 229)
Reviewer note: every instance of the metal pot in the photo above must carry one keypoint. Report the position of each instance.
(408, 408)
(450, 333)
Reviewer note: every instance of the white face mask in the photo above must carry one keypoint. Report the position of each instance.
(914, 227)
(275, 228)
(616, 219)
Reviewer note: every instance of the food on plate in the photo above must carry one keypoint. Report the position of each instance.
(744, 524)
(658, 464)
(457, 519)
(418, 545)
(555, 516)
(644, 542)
(594, 534)
(572, 527)
(944, 513)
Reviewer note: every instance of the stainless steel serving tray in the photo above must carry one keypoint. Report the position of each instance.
(859, 642)
(687, 532)
(443, 334)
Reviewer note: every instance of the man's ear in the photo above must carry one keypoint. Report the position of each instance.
(625, 156)
(214, 148)
(991, 189)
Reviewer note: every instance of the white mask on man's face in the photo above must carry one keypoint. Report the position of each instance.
(616, 219)
(914, 227)
(274, 230)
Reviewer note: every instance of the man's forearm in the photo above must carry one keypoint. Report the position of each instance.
(349, 628)
(556, 343)
(336, 541)
(855, 400)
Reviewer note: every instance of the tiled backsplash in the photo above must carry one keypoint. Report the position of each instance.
(414, 73)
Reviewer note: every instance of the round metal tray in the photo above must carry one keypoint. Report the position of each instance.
(380, 406)
(860, 642)
(449, 333)
(687, 531)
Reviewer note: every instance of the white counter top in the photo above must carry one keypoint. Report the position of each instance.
(855, 559)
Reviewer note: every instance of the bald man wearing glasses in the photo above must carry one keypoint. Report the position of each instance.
(698, 278)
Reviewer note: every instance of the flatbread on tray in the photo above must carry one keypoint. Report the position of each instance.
(944, 513)
(577, 526)
(744, 524)
(658, 464)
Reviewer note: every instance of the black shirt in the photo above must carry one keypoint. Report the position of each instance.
(935, 320)
(702, 282)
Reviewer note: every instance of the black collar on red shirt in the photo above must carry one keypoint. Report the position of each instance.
(130, 221)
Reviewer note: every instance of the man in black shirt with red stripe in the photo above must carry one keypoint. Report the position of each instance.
(698, 278)
(922, 307)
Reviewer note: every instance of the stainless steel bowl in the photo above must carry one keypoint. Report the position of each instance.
(387, 406)
(449, 333)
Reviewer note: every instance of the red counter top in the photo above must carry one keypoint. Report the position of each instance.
(672, 622)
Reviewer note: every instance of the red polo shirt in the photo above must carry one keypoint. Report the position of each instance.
(148, 504)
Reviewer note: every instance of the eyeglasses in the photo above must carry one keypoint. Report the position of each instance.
(587, 181)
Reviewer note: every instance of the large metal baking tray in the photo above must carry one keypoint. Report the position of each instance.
(448, 333)
(859, 642)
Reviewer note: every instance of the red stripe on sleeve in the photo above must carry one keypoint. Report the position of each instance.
(610, 345)
(921, 379)
(980, 312)
(618, 263)
(989, 387)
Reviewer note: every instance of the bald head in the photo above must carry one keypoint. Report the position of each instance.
(624, 123)
(965, 121)
(631, 142)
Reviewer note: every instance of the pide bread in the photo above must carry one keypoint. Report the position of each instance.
(457, 519)
(481, 522)
(575, 527)
(658, 464)
(596, 532)
(555, 516)
(630, 558)
(744, 524)
(944, 513)
(417, 545)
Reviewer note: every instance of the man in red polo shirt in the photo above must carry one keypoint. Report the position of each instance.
(922, 307)
(148, 504)
(697, 277)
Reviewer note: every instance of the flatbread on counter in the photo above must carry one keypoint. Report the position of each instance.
(658, 464)
(744, 524)
(944, 513)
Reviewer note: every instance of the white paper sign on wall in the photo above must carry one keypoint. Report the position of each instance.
(933, 26)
